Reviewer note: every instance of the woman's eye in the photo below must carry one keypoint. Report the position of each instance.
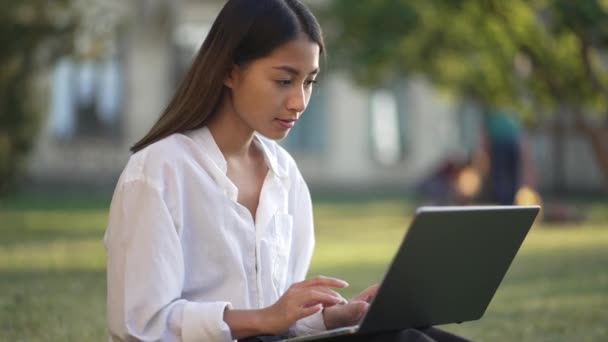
(283, 82)
(309, 83)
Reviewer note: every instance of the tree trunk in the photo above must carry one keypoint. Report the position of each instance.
(559, 169)
(598, 138)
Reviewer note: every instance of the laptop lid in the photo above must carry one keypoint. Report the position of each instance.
(448, 266)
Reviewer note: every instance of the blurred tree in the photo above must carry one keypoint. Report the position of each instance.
(32, 33)
(539, 56)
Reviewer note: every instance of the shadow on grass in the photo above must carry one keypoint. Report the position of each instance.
(67, 305)
(60, 201)
(562, 271)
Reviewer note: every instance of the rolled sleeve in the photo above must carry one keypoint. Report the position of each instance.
(205, 322)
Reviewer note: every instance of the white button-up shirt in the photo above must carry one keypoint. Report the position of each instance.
(181, 249)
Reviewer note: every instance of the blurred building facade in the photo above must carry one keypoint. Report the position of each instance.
(350, 138)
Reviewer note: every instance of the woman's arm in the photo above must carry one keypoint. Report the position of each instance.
(244, 323)
(145, 274)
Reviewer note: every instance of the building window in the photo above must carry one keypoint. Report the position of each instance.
(86, 97)
(387, 126)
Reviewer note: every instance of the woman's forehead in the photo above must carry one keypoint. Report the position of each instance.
(301, 54)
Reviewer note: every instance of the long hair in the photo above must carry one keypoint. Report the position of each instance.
(244, 30)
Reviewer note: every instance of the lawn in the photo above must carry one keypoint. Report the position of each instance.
(52, 278)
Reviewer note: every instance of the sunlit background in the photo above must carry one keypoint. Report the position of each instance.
(420, 102)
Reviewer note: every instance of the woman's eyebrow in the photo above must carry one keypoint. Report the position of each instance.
(294, 71)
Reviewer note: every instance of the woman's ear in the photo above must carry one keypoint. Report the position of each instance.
(232, 76)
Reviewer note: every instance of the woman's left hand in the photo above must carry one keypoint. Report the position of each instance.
(343, 315)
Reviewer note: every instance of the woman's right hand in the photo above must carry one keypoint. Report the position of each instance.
(301, 300)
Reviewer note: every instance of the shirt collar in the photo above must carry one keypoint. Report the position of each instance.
(269, 149)
(205, 139)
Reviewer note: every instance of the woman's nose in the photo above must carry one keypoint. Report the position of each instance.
(298, 99)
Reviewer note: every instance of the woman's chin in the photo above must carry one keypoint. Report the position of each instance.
(275, 134)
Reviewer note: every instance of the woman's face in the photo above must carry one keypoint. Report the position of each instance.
(269, 94)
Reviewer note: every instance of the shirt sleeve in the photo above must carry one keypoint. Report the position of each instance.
(145, 274)
(303, 247)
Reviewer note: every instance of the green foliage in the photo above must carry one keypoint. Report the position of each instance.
(538, 57)
(535, 55)
(372, 58)
(30, 30)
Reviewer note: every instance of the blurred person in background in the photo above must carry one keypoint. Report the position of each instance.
(210, 230)
(504, 161)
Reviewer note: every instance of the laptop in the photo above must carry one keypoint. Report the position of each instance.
(447, 269)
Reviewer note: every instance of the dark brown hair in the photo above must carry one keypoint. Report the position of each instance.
(244, 30)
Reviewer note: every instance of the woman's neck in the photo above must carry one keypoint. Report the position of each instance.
(233, 137)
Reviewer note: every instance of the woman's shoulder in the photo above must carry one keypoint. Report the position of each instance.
(155, 161)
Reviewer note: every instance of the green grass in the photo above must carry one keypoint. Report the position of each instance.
(52, 277)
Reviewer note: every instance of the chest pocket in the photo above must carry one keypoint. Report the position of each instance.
(279, 243)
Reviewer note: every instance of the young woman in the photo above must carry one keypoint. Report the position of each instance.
(210, 229)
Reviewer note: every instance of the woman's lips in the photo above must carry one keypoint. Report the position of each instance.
(286, 123)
